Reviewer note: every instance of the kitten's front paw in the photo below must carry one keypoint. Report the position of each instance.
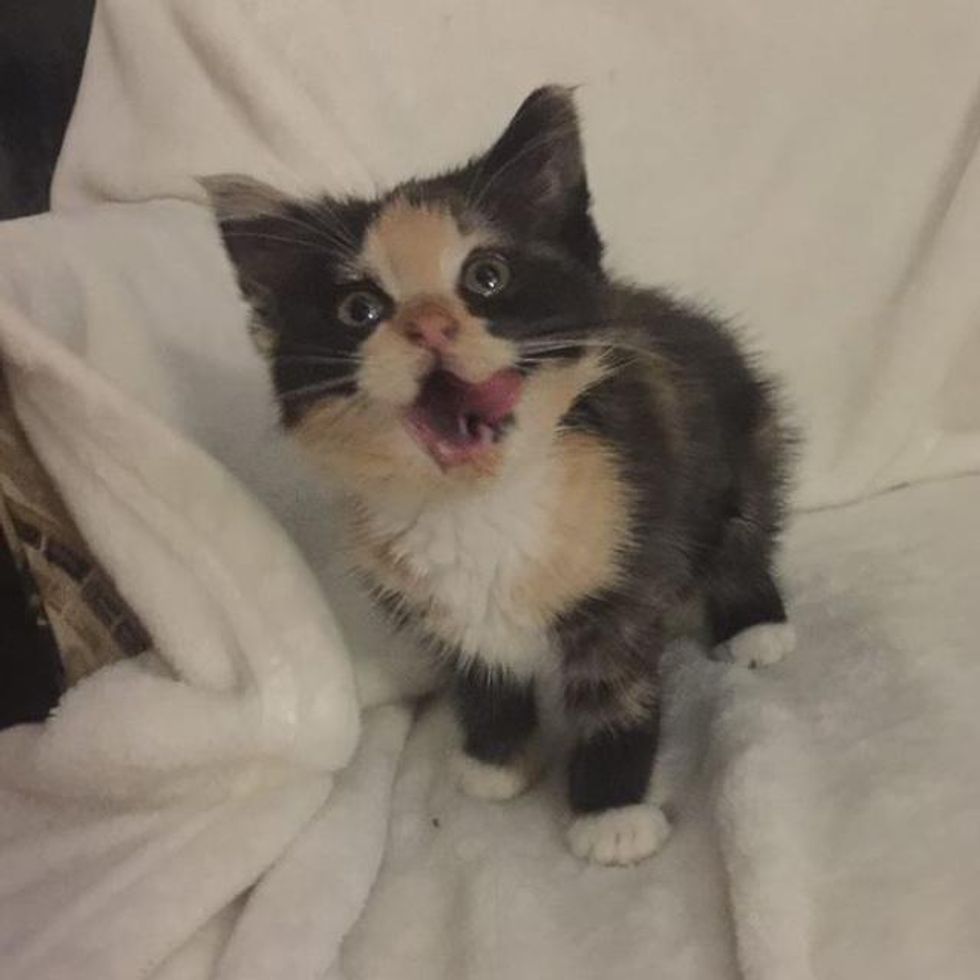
(486, 781)
(762, 645)
(622, 836)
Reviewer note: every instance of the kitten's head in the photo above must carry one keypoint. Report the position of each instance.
(429, 335)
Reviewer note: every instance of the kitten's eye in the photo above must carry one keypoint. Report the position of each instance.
(361, 309)
(486, 275)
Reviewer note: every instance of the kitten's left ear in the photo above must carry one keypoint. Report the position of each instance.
(235, 197)
(534, 175)
(257, 233)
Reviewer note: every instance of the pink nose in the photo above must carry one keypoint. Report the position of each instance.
(429, 326)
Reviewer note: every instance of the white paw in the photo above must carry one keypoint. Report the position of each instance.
(485, 781)
(621, 836)
(762, 645)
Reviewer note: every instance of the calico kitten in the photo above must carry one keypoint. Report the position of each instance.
(542, 464)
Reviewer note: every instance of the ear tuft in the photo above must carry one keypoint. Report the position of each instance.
(237, 197)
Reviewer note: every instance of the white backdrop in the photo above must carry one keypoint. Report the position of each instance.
(808, 167)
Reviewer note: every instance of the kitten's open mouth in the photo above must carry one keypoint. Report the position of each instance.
(456, 421)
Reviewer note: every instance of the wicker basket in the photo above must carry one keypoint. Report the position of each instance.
(67, 590)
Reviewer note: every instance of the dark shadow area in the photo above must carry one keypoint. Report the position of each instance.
(30, 669)
(42, 49)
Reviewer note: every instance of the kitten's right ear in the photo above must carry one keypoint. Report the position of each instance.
(540, 151)
(534, 177)
(255, 228)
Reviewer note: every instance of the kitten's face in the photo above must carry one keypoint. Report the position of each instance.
(428, 336)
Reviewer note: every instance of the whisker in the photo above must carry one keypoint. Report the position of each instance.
(317, 238)
(335, 236)
(294, 347)
(338, 229)
(319, 387)
(290, 218)
(316, 225)
(314, 359)
(264, 236)
(535, 352)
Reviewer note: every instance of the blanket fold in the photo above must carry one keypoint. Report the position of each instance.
(164, 787)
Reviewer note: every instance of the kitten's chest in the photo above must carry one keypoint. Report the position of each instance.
(487, 573)
(463, 568)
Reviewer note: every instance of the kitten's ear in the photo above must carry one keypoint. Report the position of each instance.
(256, 230)
(534, 175)
(540, 150)
(235, 196)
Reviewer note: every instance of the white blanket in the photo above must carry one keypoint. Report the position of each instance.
(826, 811)
(818, 174)
(811, 171)
(163, 788)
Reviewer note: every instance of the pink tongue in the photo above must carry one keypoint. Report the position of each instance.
(492, 400)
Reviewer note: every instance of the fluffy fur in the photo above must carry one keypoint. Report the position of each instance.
(543, 465)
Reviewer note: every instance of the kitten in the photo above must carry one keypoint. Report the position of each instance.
(542, 464)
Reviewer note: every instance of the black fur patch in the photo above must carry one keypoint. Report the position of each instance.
(612, 768)
(496, 710)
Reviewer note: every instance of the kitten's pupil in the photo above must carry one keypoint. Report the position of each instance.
(360, 309)
(486, 275)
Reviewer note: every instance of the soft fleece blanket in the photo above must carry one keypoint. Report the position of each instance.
(214, 812)
(163, 788)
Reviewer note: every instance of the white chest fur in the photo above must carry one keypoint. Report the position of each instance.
(465, 561)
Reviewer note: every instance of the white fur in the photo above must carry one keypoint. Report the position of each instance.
(471, 553)
(622, 836)
(762, 645)
(485, 781)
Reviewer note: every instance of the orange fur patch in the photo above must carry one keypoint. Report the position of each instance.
(416, 251)
(590, 529)
(358, 443)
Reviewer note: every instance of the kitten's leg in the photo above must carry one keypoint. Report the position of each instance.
(498, 715)
(747, 615)
(610, 770)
